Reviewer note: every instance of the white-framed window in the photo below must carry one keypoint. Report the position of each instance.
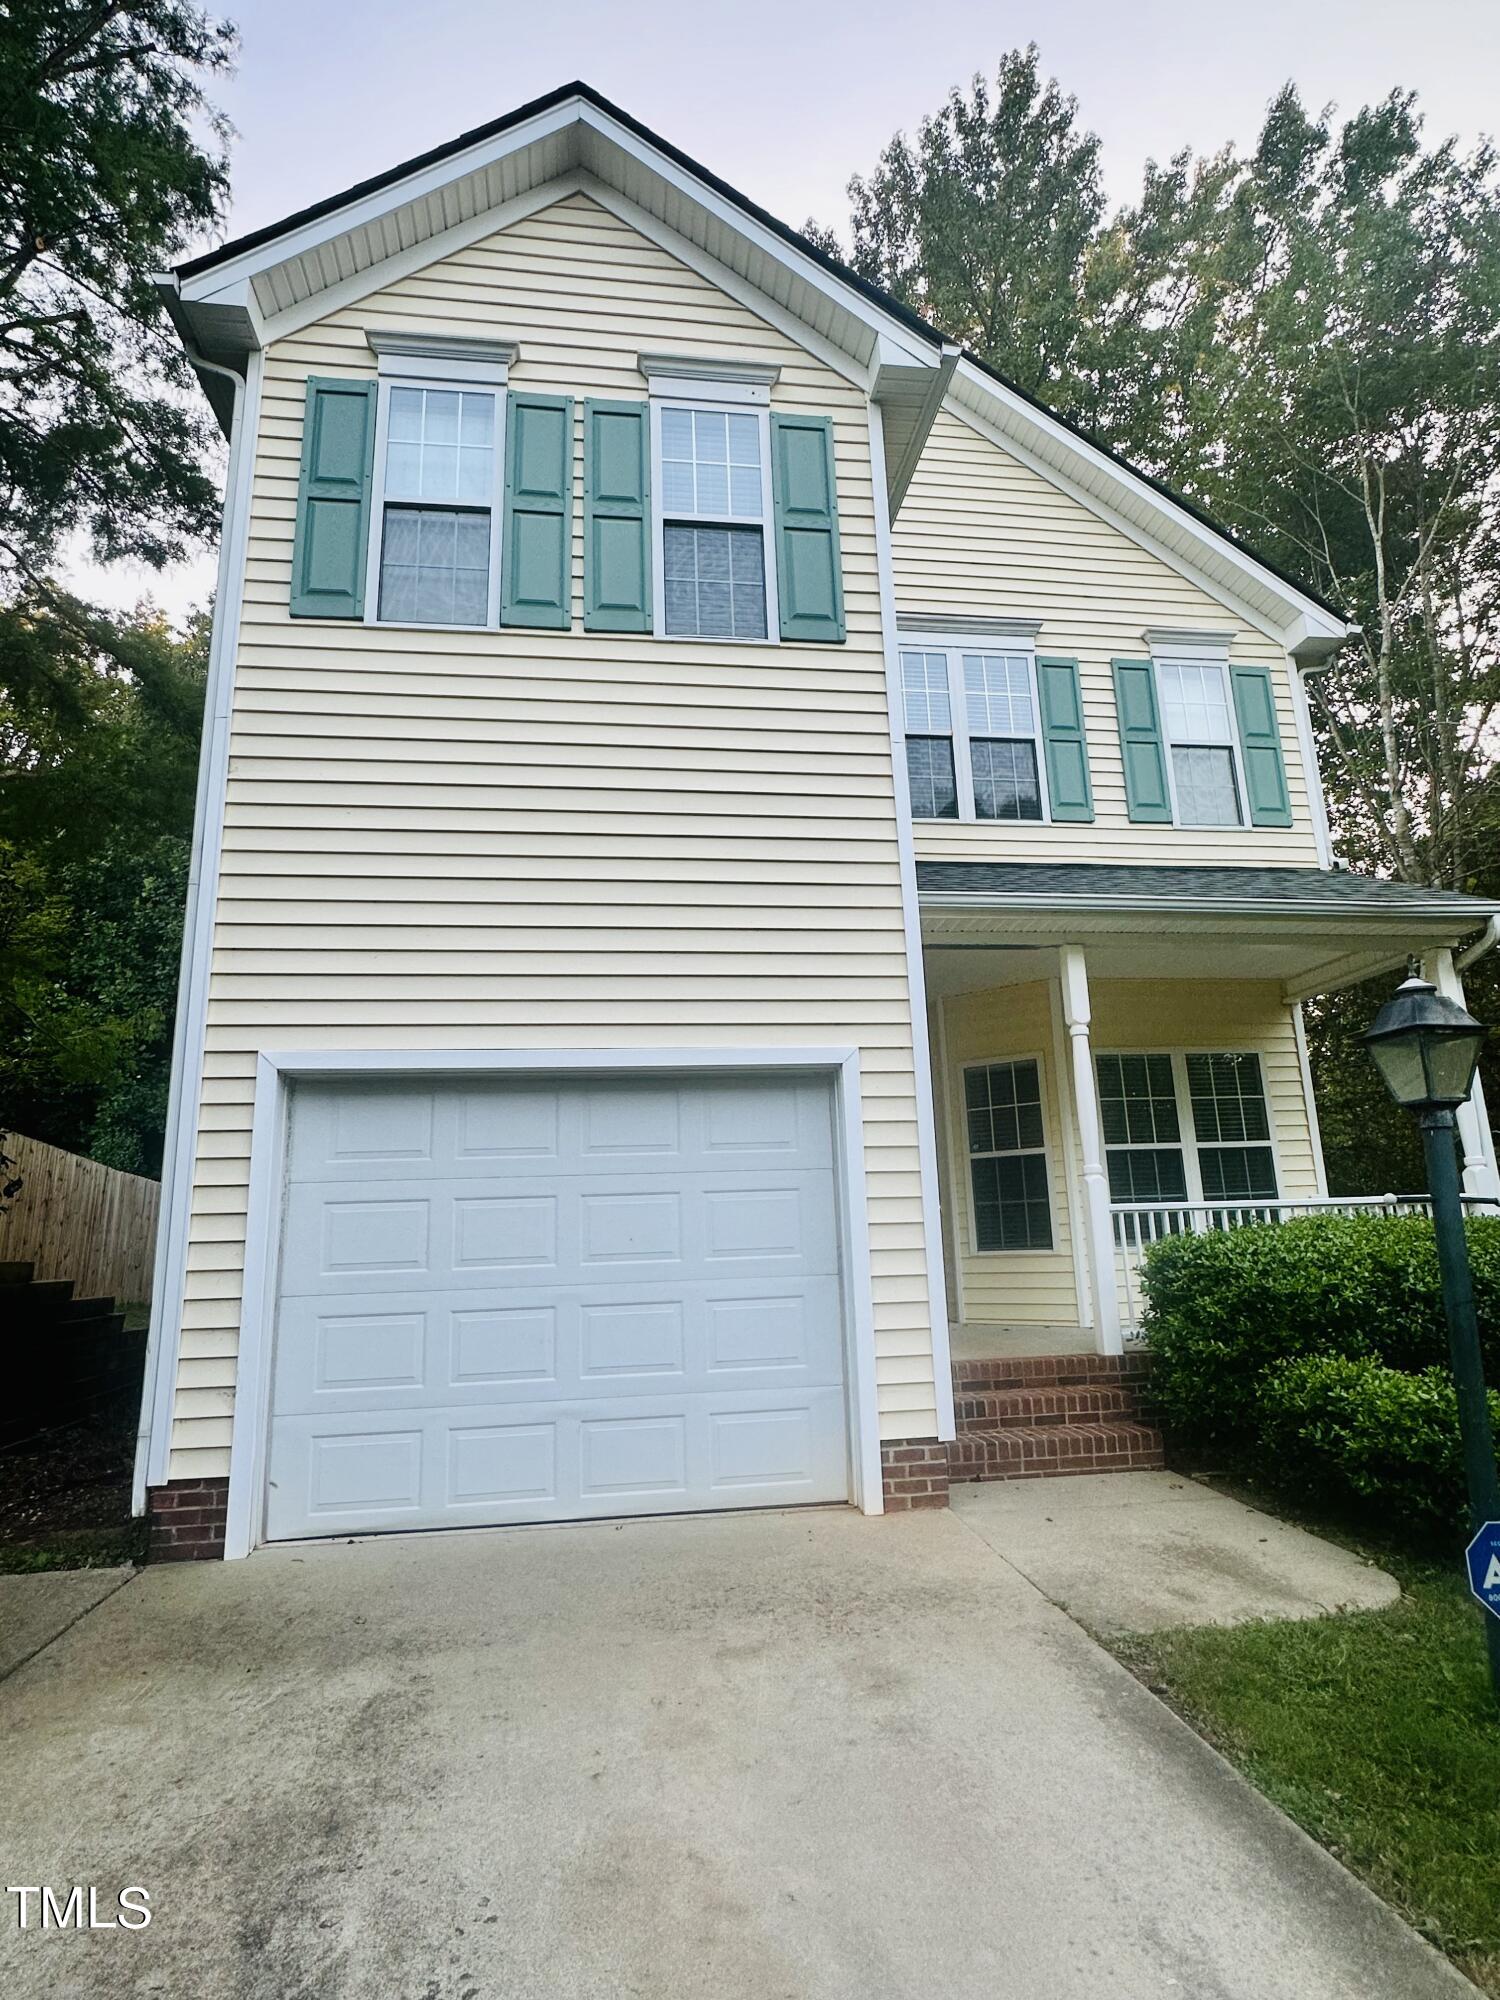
(437, 492)
(1204, 772)
(712, 517)
(1009, 1182)
(1186, 1127)
(973, 730)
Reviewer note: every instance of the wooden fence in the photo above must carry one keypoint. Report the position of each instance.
(76, 1219)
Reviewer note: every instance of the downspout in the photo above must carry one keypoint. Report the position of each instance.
(1487, 939)
(182, 1102)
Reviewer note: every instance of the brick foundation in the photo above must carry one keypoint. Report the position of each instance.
(187, 1520)
(914, 1473)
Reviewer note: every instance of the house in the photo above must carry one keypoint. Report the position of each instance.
(741, 863)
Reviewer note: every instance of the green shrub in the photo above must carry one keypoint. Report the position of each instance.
(1355, 1430)
(1226, 1307)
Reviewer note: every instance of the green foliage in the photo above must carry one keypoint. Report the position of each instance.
(99, 727)
(1350, 1430)
(1316, 1353)
(106, 179)
(985, 221)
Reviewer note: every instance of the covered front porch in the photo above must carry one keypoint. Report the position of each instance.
(1118, 1055)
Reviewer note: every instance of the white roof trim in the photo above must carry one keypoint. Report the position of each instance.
(569, 136)
(1129, 502)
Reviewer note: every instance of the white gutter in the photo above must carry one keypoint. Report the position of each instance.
(153, 1436)
(953, 899)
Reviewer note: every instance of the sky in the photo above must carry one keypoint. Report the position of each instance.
(785, 99)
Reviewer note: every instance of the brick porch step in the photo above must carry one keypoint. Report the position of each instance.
(1049, 1371)
(1082, 1403)
(1038, 1451)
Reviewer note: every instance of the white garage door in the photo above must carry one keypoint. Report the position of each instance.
(548, 1300)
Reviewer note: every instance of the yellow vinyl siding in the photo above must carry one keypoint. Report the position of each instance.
(1008, 1287)
(521, 839)
(981, 534)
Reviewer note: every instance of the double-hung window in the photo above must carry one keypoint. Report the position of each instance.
(1198, 724)
(437, 490)
(713, 488)
(973, 735)
(1150, 1104)
(1231, 1126)
(1007, 1156)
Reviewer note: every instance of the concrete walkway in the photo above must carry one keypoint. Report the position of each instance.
(780, 1757)
(1135, 1551)
(34, 1609)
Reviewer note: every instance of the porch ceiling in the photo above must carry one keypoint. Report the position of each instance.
(989, 923)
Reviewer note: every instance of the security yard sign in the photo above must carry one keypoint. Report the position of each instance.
(1484, 1567)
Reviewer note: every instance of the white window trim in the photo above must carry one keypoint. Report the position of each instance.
(413, 370)
(1054, 1249)
(1178, 1056)
(724, 401)
(954, 648)
(1204, 651)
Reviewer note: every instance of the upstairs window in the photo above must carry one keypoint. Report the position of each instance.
(929, 735)
(973, 734)
(438, 506)
(1198, 723)
(714, 488)
(1000, 709)
(1007, 1156)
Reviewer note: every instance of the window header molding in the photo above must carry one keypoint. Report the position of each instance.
(701, 378)
(1183, 643)
(442, 357)
(947, 626)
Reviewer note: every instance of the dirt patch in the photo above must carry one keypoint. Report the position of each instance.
(65, 1498)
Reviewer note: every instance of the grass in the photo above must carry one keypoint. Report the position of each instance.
(1377, 1732)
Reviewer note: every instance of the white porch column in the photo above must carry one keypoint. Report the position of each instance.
(1474, 1135)
(1101, 1239)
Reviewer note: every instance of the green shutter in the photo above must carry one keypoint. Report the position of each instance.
(1141, 748)
(616, 517)
(809, 584)
(333, 499)
(1260, 746)
(1070, 794)
(536, 585)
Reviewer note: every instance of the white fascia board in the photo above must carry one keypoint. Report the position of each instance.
(1010, 416)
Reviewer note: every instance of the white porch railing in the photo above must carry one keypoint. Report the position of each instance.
(1138, 1225)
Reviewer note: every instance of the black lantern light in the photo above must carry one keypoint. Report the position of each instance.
(1425, 1047)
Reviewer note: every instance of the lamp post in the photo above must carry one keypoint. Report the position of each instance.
(1426, 1049)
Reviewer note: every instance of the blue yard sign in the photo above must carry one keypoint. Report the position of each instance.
(1483, 1557)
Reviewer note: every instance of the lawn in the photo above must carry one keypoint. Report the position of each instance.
(1377, 1732)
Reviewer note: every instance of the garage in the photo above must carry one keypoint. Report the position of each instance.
(535, 1298)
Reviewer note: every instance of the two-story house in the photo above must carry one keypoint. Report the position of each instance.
(739, 859)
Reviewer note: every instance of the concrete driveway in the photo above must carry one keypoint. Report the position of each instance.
(754, 1757)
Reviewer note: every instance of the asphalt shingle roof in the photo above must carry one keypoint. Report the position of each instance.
(1095, 884)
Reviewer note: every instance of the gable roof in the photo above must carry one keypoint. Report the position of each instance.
(244, 293)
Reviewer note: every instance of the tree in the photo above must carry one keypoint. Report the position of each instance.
(985, 222)
(98, 758)
(111, 161)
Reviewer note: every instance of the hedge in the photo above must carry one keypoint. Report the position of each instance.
(1356, 1431)
(1314, 1353)
(1224, 1307)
